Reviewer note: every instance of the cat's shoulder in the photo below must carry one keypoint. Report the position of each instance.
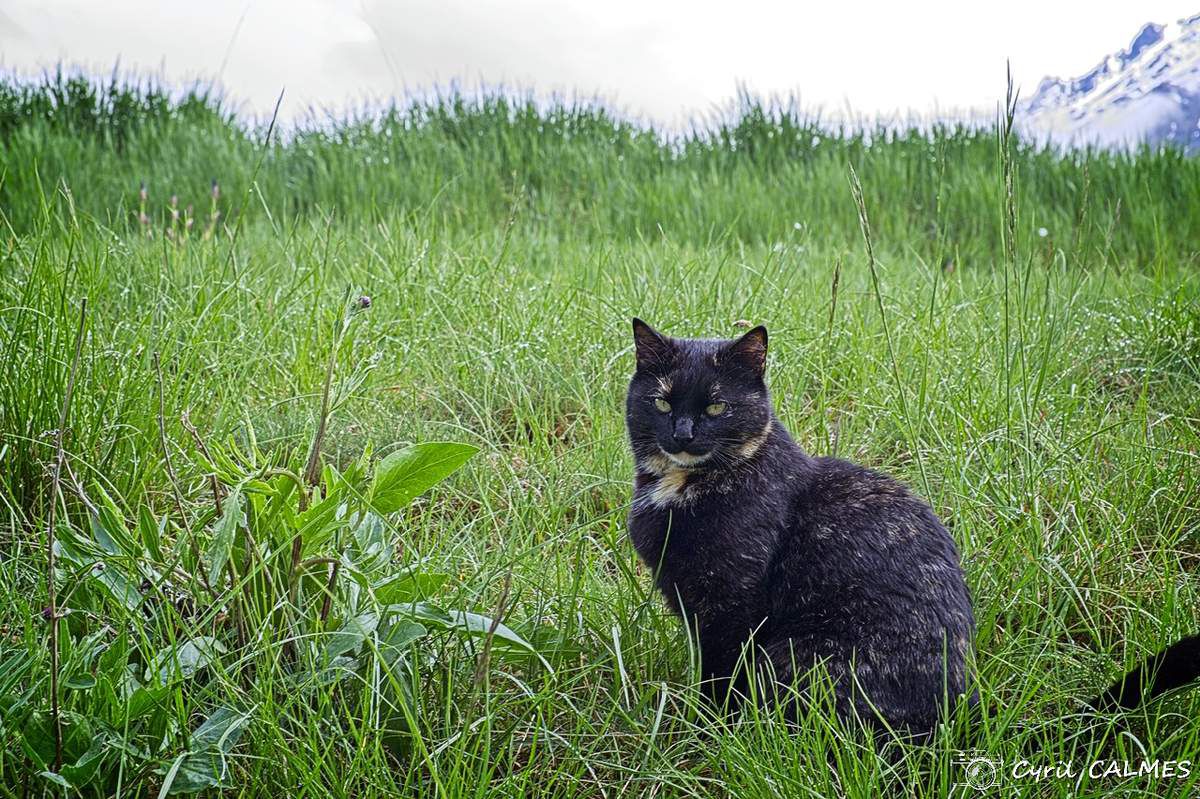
(835, 478)
(846, 489)
(870, 514)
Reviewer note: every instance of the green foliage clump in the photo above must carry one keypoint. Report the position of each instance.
(256, 601)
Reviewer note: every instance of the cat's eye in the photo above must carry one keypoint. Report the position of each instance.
(662, 405)
(716, 409)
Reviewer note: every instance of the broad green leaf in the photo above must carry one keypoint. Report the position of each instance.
(120, 587)
(476, 625)
(432, 614)
(80, 682)
(37, 740)
(57, 779)
(102, 536)
(105, 700)
(143, 700)
(407, 473)
(109, 527)
(279, 516)
(101, 555)
(371, 550)
(220, 730)
(106, 572)
(408, 586)
(318, 523)
(350, 636)
(337, 670)
(150, 530)
(14, 666)
(37, 737)
(397, 706)
(395, 642)
(185, 660)
(224, 533)
(198, 771)
(227, 469)
(204, 765)
(115, 657)
(82, 771)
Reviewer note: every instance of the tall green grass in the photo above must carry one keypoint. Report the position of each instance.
(1041, 392)
(762, 173)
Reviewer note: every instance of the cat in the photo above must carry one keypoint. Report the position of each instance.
(812, 559)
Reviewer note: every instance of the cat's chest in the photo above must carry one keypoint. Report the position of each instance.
(709, 550)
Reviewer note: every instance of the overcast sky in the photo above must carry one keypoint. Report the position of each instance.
(654, 59)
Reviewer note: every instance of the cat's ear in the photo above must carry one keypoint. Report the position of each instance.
(653, 349)
(748, 352)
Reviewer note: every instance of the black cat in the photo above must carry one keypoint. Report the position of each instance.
(816, 560)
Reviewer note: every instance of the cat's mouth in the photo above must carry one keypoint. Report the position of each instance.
(686, 459)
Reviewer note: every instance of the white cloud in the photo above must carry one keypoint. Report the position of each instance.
(658, 59)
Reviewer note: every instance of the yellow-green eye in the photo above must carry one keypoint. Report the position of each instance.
(716, 409)
(662, 405)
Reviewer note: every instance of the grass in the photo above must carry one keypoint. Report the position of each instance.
(1041, 392)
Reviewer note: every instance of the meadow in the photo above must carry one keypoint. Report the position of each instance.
(329, 472)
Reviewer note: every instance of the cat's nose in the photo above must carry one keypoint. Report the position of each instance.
(683, 429)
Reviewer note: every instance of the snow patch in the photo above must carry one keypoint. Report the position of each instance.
(1148, 93)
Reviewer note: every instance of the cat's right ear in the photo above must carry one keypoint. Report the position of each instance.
(653, 349)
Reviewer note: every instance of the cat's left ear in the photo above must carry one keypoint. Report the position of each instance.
(652, 349)
(748, 352)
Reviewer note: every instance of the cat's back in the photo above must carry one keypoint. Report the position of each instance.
(875, 510)
(865, 538)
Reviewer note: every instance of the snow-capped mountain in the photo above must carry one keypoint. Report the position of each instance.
(1147, 93)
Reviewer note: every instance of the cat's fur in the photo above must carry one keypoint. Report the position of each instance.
(812, 559)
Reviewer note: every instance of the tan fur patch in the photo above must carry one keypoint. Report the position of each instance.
(656, 464)
(753, 445)
(670, 488)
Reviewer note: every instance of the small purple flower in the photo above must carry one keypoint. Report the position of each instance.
(364, 302)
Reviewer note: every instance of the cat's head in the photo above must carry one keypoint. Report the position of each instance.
(697, 403)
